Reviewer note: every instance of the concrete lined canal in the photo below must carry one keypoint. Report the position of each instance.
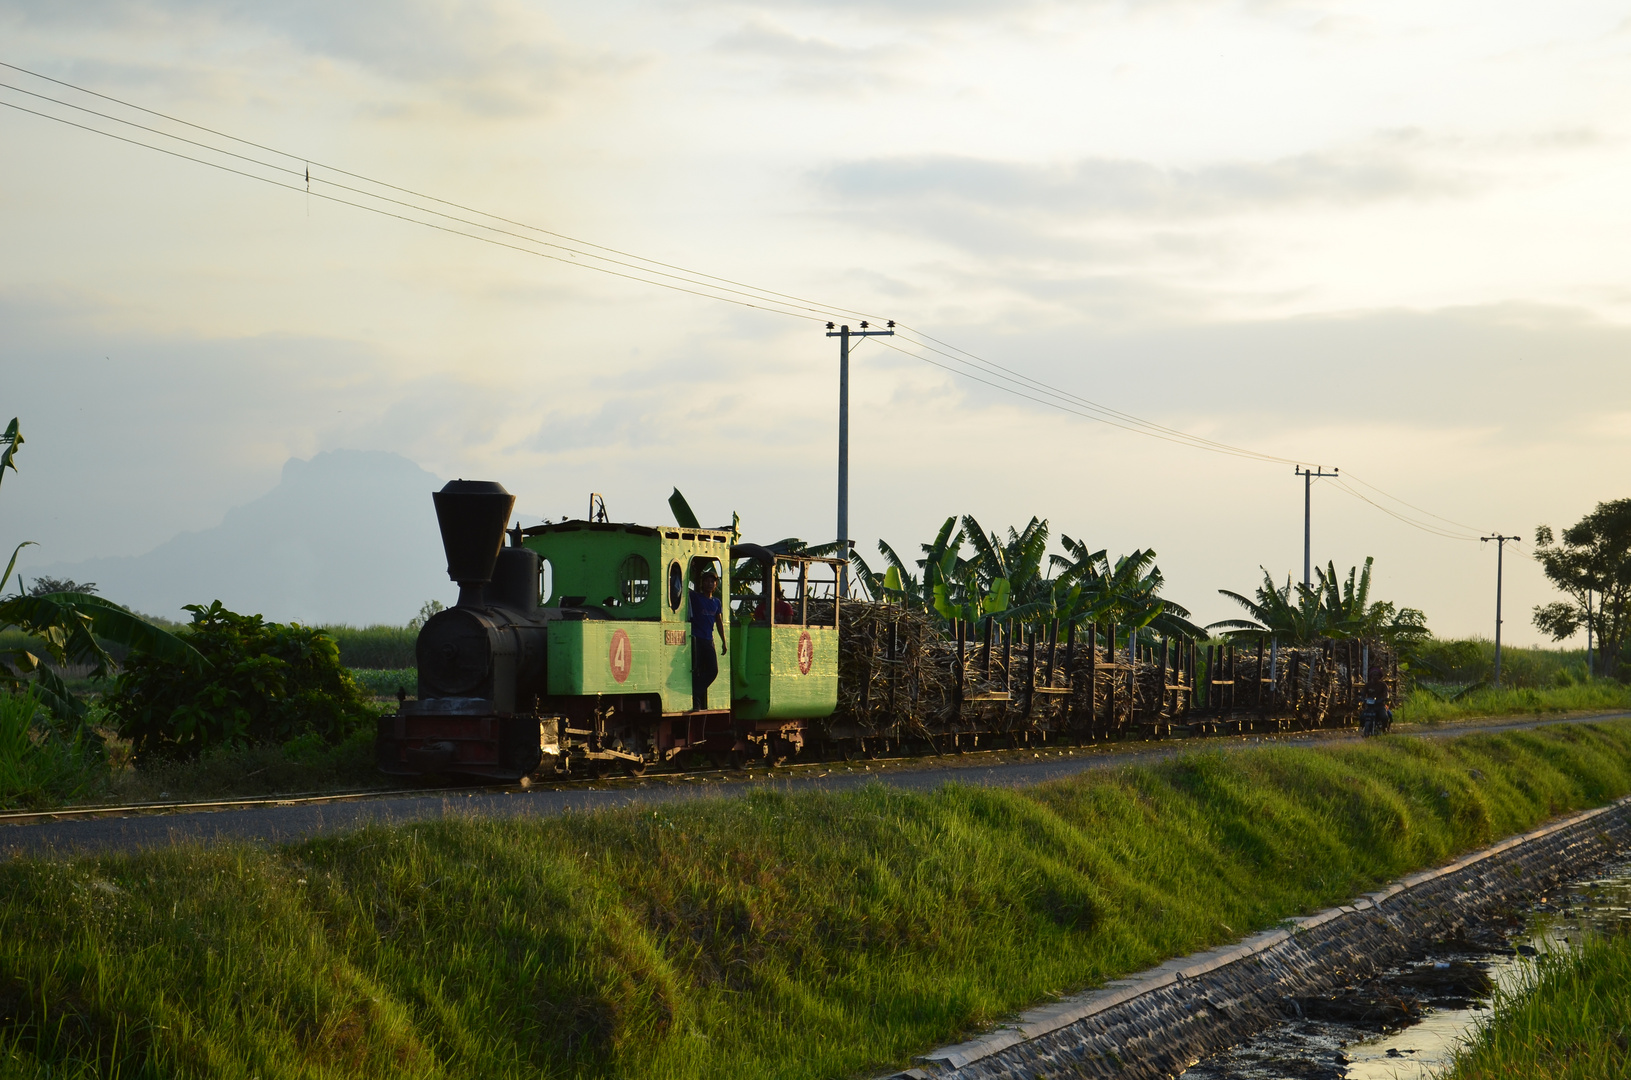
(1406, 1023)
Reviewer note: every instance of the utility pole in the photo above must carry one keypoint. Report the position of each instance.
(1309, 476)
(843, 334)
(1500, 549)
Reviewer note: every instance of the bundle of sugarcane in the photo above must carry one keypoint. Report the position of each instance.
(895, 671)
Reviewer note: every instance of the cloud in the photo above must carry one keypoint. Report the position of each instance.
(814, 64)
(489, 57)
(1100, 188)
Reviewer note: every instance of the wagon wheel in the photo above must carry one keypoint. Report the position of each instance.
(634, 768)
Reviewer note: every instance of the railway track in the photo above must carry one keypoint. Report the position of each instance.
(290, 818)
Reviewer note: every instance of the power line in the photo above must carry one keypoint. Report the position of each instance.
(1413, 506)
(1423, 526)
(306, 161)
(823, 312)
(765, 296)
(648, 271)
(412, 220)
(1195, 440)
(763, 299)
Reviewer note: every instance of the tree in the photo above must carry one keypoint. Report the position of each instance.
(69, 626)
(43, 585)
(1330, 608)
(1593, 561)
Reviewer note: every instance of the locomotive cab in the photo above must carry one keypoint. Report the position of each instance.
(784, 642)
(617, 598)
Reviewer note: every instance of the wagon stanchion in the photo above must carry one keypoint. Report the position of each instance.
(907, 679)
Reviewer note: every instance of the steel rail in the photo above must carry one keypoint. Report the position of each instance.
(268, 800)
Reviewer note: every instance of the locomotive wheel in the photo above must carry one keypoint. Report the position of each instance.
(634, 768)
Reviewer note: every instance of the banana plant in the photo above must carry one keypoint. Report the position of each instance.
(1329, 608)
(70, 628)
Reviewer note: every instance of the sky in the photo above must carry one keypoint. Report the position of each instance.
(1388, 238)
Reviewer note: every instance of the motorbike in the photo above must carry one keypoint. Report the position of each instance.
(1375, 718)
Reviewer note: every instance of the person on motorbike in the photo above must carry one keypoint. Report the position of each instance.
(1375, 716)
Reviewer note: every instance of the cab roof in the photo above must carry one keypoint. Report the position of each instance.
(717, 536)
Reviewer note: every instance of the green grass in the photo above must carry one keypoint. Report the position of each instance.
(385, 682)
(1466, 661)
(40, 771)
(303, 764)
(1572, 1023)
(41, 765)
(378, 646)
(805, 935)
(1424, 706)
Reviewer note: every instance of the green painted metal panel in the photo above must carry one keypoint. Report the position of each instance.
(586, 561)
(771, 681)
(584, 657)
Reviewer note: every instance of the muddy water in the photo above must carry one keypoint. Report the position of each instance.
(1405, 1024)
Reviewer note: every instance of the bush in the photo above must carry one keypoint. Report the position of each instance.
(268, 683)
(41, 765)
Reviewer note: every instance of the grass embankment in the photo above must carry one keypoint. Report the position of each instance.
(1572, 1023)
(810, 935)
(1425, 706)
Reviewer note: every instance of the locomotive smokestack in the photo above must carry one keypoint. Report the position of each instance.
(472, 515)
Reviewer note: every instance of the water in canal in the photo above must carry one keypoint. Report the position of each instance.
(1405, 1024)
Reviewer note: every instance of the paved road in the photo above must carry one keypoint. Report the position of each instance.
(282, 824)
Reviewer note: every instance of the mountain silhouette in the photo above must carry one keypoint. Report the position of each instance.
(346, 537)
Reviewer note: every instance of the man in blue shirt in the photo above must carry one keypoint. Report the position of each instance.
(707, 612)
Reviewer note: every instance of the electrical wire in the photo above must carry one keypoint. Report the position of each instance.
(1413, 523)
(1413, 506)
(823, 312)
(766, 299)
(305, 161)
(1194, 440)
(671, 276)
(998, 370)
(412, 220)
(1062, 407)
